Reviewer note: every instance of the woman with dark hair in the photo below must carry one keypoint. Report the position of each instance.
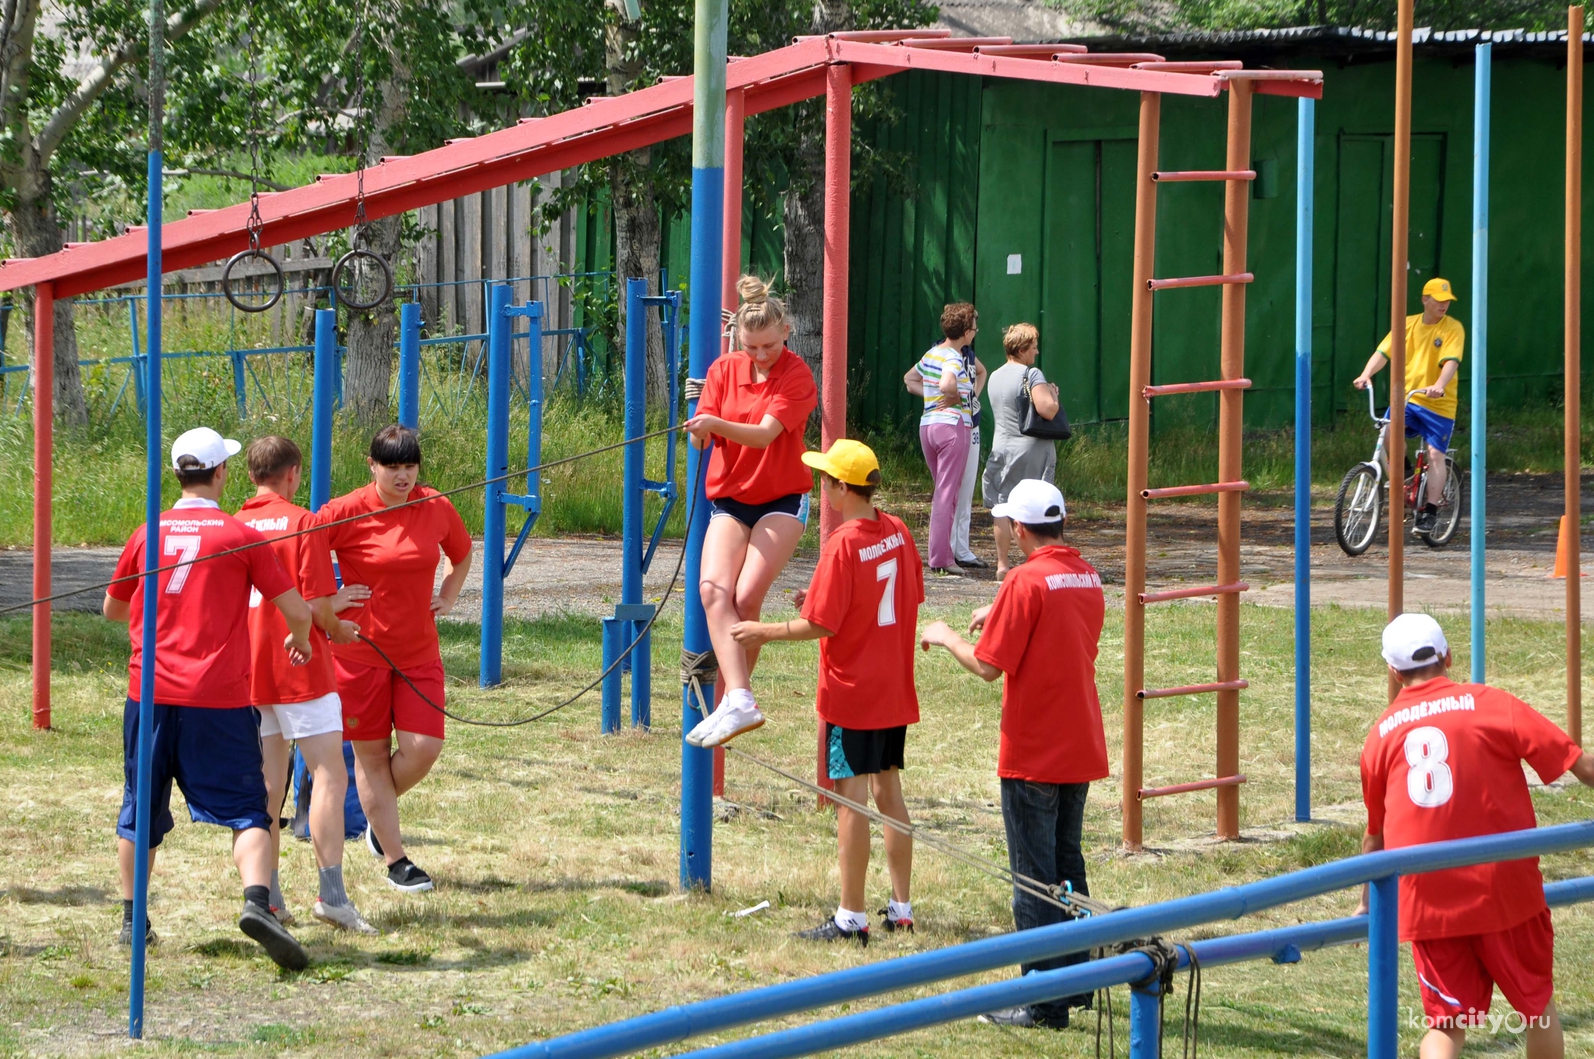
(395, 553)
(756, 401)
(948, 386)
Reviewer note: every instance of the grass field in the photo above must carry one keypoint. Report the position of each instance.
(555, 853)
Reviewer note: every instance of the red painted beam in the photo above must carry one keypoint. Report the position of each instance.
(1185, 788)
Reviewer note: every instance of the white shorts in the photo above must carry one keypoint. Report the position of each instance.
(300, 720)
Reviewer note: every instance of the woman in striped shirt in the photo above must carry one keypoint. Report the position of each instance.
(945, 426)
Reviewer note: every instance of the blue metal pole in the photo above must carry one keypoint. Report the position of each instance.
(636, 367)
(705, 277)
(641, 674)
(498, 330)
(534, 409)
(322, 404)
(1305, 158)
(614, 631)
(409, 409)
(154, 451)
(1145, 1020)
(1383, 967)
(1480, 344)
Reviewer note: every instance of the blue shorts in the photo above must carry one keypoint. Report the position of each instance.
(1429, 425)
(794, 506)
(213, 755)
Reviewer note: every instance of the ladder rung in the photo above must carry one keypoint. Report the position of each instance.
(1196, 387)
(1198, 281)
(1186, 175)
(1192, 689)
(1185, 788)
(1191, 593)
(1195, 490)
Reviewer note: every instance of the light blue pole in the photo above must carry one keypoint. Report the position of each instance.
(613, 645)
(1480, 343)
(1305, 158)
(322, 404)
(1383, 967)
(499, 326)
(632, 544)
(1145, 1020)
(155, 451)
(705, 276)
(409, 409)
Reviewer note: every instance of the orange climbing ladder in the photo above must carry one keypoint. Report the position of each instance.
(1231, 387)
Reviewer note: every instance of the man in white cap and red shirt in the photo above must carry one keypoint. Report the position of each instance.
(1042, 635)
(205, 738)
(1444, 761)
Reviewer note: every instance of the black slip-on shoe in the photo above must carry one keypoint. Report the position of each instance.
(283, 948)
(407, 876)
(829, 931)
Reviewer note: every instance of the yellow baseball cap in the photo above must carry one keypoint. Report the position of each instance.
(847, 461)
(1439, 290)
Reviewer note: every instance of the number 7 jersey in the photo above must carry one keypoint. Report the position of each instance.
(867, 590)
(1444, 761)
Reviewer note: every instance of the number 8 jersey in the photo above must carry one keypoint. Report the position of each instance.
(1444, 761)
(867, 590)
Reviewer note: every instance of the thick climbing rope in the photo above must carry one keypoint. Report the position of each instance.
(546, 465)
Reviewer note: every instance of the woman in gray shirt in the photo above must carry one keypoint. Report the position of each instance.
(1015, 457)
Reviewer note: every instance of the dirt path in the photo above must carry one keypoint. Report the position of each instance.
(582, 574)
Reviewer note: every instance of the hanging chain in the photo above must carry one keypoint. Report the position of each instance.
(255, 223)
(365, 127)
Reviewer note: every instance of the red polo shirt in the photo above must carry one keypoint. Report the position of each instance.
(1445, 761)
(867, 590)
(757, 476)
(273, 678)
(1043, 632)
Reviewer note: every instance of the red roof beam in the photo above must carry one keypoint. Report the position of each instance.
(1206, 66)
(877, 36)
(953, 43)
(1027, 69)
(1107, 58)
(1029, 51)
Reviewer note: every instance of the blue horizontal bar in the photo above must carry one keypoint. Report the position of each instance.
(1032, 946)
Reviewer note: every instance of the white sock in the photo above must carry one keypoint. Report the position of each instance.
(851, 920)
(740, 698)
(899, 909)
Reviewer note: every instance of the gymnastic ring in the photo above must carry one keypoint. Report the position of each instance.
(348, 259)
(226, 281)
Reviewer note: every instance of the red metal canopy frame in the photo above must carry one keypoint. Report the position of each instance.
(809, 67)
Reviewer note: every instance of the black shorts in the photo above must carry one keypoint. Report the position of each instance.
(795, 505)
(863, 751)
(212, 755)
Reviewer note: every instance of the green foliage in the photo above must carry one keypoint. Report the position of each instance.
(1158, 16)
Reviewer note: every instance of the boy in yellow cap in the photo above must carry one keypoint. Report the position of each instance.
(863, 607)
(1433, 356)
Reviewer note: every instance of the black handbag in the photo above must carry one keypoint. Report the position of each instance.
(1035, 425)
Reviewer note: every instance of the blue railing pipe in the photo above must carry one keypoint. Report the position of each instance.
(498, 327)
(1145, 1019)
(1480, 345)
(1306, 146)
(323, 401)
(1383, 967)
(409, 402)
(1042, 943)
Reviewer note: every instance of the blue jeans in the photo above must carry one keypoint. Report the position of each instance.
(1045, 823)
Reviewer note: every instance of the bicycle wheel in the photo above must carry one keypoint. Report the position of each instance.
(1356, 509)
(1449, 516)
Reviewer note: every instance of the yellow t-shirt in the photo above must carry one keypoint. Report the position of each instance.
(1428, 346)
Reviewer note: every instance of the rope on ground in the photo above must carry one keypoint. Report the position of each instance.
(338, 522)
(669, 590)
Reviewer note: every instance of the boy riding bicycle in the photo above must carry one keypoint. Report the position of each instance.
(1433, 356)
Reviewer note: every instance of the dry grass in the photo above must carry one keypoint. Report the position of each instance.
(555, 850)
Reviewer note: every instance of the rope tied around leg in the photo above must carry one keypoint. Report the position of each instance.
(1164, 957)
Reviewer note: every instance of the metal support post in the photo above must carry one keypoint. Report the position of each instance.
(833, 333)
(1383, 967)
(1305, 178)
(1236, 204)
(323, 400)
(498, 329)
(706, 275)
(1480, 347)
(1572, 455)
(1395, 453)
(631, 616)
(1139, 430)
(1145, 1020)
(614, 641)
(240, 387)
(409, 402)
(43, 488)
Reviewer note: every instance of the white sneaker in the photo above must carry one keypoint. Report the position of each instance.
(344, 917)
(285, 917)
(731, 721)
(695, 736)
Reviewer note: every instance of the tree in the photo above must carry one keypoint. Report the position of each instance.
(1163, 16)
(50, 123)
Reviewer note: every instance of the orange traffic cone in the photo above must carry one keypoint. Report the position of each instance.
(1563, 544)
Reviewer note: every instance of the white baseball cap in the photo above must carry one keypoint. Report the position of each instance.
(204, 445)
(1413, 641)
(1032, 502)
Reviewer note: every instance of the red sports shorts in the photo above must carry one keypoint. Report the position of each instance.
(376, 700)
(1458, 975)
